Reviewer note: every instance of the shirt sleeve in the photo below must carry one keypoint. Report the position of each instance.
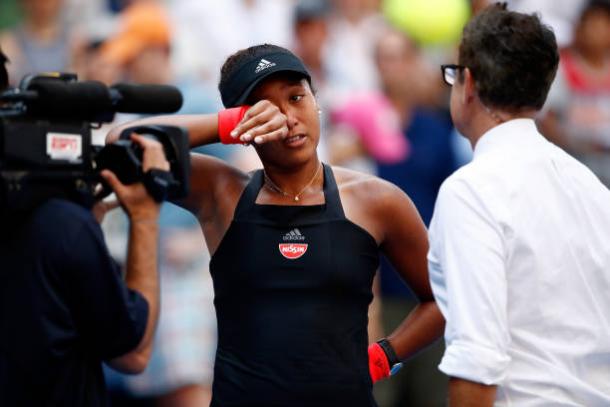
(466, 263)
(110, 317)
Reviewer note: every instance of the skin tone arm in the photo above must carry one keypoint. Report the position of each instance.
(405, 243)
(263, 122)
(142, 275)
(215, 185)
(464, 393)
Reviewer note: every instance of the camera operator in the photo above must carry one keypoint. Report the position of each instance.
(64, 307)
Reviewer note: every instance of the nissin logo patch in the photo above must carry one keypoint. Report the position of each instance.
(293, 251)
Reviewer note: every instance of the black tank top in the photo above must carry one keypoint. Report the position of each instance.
(292, 289)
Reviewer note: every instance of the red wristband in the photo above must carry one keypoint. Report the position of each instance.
(379, 367)
(227, 121)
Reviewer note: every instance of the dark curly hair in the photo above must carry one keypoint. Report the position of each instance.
(513, 58)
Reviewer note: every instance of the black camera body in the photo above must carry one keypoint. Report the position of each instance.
(46, 145)
(124, 157)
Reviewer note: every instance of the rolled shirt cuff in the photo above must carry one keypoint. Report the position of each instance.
(470, 361)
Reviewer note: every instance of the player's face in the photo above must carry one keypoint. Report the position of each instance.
(294, 98)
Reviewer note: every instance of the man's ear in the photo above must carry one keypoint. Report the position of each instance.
(470, 88)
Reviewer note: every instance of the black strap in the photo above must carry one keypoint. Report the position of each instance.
(248, 196)
(333, 206)
(158, 183)
(389, 352)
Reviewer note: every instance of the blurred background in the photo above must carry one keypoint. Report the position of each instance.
(375, 68)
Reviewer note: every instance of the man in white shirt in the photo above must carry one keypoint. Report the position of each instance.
(519, 255)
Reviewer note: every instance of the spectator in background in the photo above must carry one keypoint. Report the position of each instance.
(311, 30)
(477, 6)
(561, 15)
(354, 28)
(41, 42)
(578, 109)
(9, 13)
(142, 46)
(92, 66)
(207, 32)
(180, 372)
(409, 145)
(419, 173)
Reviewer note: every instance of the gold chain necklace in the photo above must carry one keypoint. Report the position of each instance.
(273, 186)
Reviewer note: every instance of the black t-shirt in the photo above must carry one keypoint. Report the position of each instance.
(63, 310)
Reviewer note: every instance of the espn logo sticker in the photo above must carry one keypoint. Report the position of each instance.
(61, 146)
(293, 251)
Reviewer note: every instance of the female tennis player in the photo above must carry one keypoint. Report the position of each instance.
(295, 247)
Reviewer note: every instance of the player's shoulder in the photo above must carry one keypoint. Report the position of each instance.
(366, 187)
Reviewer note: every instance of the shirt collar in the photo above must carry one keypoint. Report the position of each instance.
(512, 132)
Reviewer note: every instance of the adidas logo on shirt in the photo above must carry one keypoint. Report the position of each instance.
(294, 235)
(263, 64)
(292, 250)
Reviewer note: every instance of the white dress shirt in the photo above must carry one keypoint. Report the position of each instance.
(519, 264)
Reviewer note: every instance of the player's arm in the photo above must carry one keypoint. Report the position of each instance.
(210, 177)
(405, 243)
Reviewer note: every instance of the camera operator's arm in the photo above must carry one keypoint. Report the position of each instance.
(142, 275)
(206, 172)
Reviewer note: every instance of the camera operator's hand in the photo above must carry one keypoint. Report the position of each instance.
(101, 208)
(136, 201)
(141, 267)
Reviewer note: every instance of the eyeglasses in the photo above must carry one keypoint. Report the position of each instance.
(449, 72)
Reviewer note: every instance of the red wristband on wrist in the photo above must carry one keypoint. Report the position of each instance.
(379, 367)
(227, 121)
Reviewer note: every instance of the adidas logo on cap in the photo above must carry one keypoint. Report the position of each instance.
(294, 234)
(263, 64)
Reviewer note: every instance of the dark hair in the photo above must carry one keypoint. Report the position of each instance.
(513, 58)
(3, 71)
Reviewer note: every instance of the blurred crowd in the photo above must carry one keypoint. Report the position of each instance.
(375, 70)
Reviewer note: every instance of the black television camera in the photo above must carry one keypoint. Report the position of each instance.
(45, 140)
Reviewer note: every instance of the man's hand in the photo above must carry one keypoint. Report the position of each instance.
(136, 201)
(262, 123)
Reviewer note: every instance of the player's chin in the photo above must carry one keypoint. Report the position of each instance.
(302, 147)
(290, 157)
